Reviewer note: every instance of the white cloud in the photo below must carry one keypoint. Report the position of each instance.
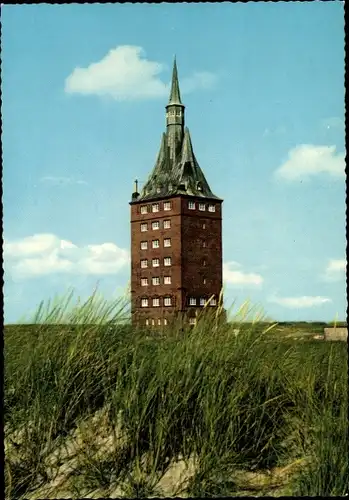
(335, 269)
(44, 254)
(299, 302)
(124, 73)
(61, 181)
(307, 160)
(233, 275)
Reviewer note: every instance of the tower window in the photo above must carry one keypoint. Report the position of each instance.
(152, 322)
(155, 225)
(156, 302)
(167, 205)
(147, 322)
(156, 281)
(144, 281)
(203, 226)
(167, 224)
(167, 280)
(167, 301)
(213, 302)
(155, 207)
(211, 208)
(156, 262)
(144, 227)
(144, 245)
(191, 205)
(144, 209)
(204, 281)
(144, 263)
(202, 301)
(204, 244)
(192, 301)
(159, 321)
(192, 321)
(155, 243)
(202, 207)
(167, 242)
(144, 303)
(165, 321)
(204, 262)
(167, 261)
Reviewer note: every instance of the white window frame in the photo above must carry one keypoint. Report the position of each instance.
(167, 280)
(202, 301)
(192, 301)
(144, 245)
(144, 303)
(155, 207)
(212, 208)
(167, 206)
(144, 227)
(167, 301)
(155, 280)
(202, 207)
(144, 209)
(167, 242)
(144, 281)
(156, 302)
(155, 244)
(155, 225)
(167, 224)
(156, 260)
(167, 259)
(191, 205)
(213, 302)
(144, 263)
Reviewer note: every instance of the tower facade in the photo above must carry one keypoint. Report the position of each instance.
(176, 231)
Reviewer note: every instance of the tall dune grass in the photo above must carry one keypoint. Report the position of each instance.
(225, 401)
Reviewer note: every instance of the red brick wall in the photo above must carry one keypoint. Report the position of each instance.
(187, 253)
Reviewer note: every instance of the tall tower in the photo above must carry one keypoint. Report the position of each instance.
(176, 230)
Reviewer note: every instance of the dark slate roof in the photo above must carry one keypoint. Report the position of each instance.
(179, 173)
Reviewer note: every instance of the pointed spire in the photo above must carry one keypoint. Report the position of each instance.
(175, 96)
(187, 148)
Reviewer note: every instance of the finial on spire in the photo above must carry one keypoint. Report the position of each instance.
(175, 96)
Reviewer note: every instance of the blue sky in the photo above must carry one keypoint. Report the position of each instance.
(84, 89)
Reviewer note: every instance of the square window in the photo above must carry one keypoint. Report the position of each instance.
(144, 245)
(167, 280)
(144, 281)
(155, 207)
(167, 205)
(167, 224)
(167, 242)
(191, 205)
(192, 321)
(144, 227)
(155, 243)
(155, 281)
(159, 321)
(144, 303)
(211, 208)
(167, 301)
(156, 262)
(156, 302)
(144, 209)
(144, 263)
(167, 261)
(202, 301)
(202, 207)
(155, 225)
(192, 301)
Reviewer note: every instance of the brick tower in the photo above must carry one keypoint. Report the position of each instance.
(176, 230)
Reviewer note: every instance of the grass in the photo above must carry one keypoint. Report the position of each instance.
(103, 407)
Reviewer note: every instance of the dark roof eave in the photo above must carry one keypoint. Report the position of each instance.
(174, 195)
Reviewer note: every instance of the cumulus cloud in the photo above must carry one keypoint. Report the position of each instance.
(335, 269)
(60, 181)
(234, 275)
(124, 73)
(307, 160)
(302, 302)
(44, 254)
